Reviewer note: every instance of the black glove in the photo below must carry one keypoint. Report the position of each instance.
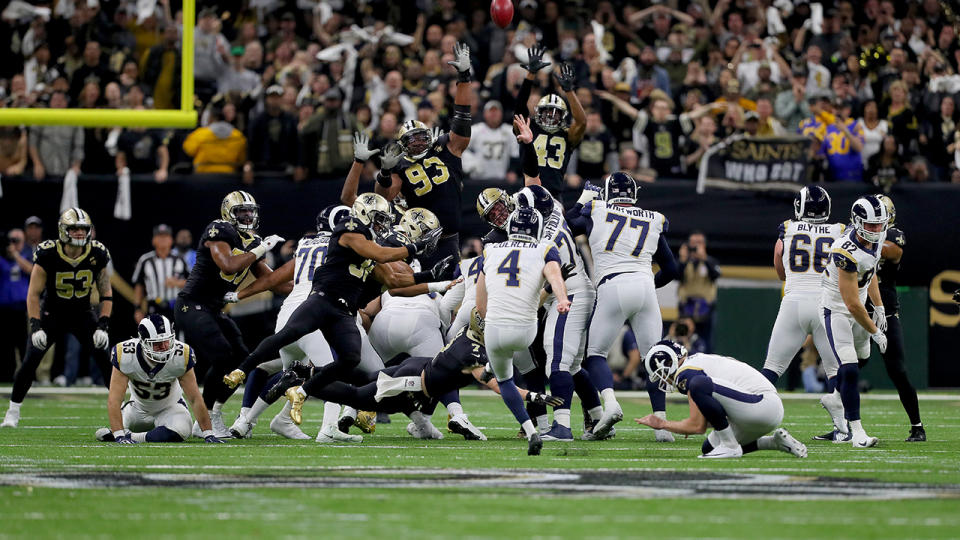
(535, 61)
(427, 243)
(103, 323)
(544, 399)
(956, 296)
(212, 439)
(566, 272)
(436, 273)
(566, 78)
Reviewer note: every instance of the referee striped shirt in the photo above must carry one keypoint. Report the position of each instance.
(152, 272)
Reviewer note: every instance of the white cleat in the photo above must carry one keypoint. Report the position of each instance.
(282, 425)
(611, 415)
(663, 435)
(461, 425)
(722, 452)
(834, 407)
(330, 434)
(11, 419)
(104, 435)
(219, 428)
(864, 441)
(426, 431)
(787, 443)
(196, 431)
(242, 428)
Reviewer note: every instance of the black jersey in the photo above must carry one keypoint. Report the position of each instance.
(553, 156)
(446, 371)
(887, 272)
(495, 236)
(343, 278)
(434, 182)
(206, 283)
(70, 280)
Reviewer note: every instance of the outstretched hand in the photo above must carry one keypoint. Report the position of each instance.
(521, 126)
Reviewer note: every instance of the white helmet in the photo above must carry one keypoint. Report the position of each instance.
(663, 361)
(870, 210)
(157, 339)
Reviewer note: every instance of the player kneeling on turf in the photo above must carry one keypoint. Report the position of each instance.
(739, 402)
(159, 371)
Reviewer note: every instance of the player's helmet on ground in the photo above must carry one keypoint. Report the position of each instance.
(891, 209)
(476, 326)
(536, 197)
(241, 210)
(524, 225)
(328, 218)
(415, 139)
(495, 206)
(73, 219)
(417, 221)
(812, 204)
(157, 339)
(620, 188)
(550, 113)
(663, 361)
(373, 211)
(868, 211)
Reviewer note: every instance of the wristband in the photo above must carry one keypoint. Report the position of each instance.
(119, 433)
(103, 323)
(384, 179)
(438, 286)
(259, 251)
(463, 76)
(35, 325)
(207, 433)
(422, 277)
(411, 250)
(358, 160)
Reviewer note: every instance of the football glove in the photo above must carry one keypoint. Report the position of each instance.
(361, 147)
(566, 272)
(956, 296)
(212, 439)
(266, 245)
(427, 243)
(461, 53)
(535, 59)
(124, 439)
(390, 157)
(100, 339)
(587, 195)
(39, 339)
(881, 340)
(880, 318)
(566, 78)
(231, 298)
(441, 268)
(544, 399)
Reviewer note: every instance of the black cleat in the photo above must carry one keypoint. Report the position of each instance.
(345, 423)
(289, 379)
(534, 445)
(304, 371)
(833, 436)
(917, 434)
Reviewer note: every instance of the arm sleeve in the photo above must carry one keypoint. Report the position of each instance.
(669, 269)
(523, 96)
(577, 221)
(531, 166)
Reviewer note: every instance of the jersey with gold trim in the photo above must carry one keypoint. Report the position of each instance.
(153, 386)
(726, 372)
(344, 279)
(206, 283)
(469, 270)
(434, 182)
(848, 255)
(553, 156)
(806, 252)
(513, 273)
(623, 238)
(887, 272)
(70, 281)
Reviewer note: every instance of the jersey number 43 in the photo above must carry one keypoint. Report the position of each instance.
(542, 144)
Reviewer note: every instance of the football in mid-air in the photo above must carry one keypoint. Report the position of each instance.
(501, 11)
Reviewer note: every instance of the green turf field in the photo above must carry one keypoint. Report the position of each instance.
(55, 480)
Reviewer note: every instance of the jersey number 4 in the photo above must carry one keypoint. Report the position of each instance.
(619, 223)
(417, 174)
(73, 284)
(559, 146)
(800, 253)
(511, 267)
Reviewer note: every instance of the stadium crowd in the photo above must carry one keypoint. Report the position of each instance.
(283, 85)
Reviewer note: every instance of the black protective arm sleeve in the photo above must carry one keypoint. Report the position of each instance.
(669, 269)
(461, 122)
(531, 167)
(522, 98)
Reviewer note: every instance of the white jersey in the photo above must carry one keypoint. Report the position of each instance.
(428, 302)
(490, 149)
(513, 273)
(848, 255)
(557, 231)
(806, 252)
(728, 372)
(623, 238)
(310, 255)
(469, 270)
(153, 387)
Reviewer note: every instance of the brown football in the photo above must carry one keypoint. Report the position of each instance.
(501, 11)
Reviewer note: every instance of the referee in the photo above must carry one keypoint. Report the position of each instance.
(158, 277)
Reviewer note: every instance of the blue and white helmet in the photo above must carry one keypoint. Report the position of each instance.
(663, 361)
(328, 218)
(524, 225)
(866, 211)
(157, 339)
(620, 188)
(812, 204)
(536, 197)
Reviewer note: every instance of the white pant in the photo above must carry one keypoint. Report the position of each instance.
(630, 297)
(564, 336)
(370, 361)
(175, 417)
(312, 346)
(503, 340)
(797, 318)
(749, 421)
(847, 340)
(415, 332)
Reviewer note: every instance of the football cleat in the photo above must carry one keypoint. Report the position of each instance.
(722, 452)
(242, 428)
(611, 415)
(863, 440)
(219, 428)
(834, 407)
(427, 431)
(787, 443)
(234, 379)
(663, 435)
(287, 380)
(366, 421)
(296, 400)
(104, 435)
(330, 434)
(833, 436)
(345, 423)
(461, 425)
(534, 445)
(917, 434)
(558, 433)
(11, 419)
(196, 431)
(282, 425)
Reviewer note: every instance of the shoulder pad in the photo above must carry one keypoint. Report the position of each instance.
(220, 230)
(897, 237)
(45, 247)
(352, 225)
(105, 252)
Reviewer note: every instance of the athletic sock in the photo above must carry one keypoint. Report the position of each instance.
(349, 411)
(660, 414)
(511, 397)
(918, 424)
(727, 438)
(256, 410)
(831, 384)
(561, 385)
(599, 371)
(609, 398)
(562, 417)
(15, 407)
(770, 375)
(543, 422)
(848, 385)
(244, 411)
(658, 398)
(138, 437)
(766, 443)
(856, 428)
(586, 391)
(750, 447)
(595, 413)
(528, 428)
(217, 408)
(331, 413)
(454, 409)
(255, 382)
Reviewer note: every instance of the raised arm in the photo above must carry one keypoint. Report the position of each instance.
(531, 169)
(566, 80)
(621, 105)
(461, 122)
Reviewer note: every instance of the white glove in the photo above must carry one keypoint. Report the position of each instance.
(390, 157)
(881, 340)
(266, 245)
(231, 298)
(462, 54)
(39, 339)
(437, 133)
(880, 318)
(101, 339)
(361, 147)
(587, 196)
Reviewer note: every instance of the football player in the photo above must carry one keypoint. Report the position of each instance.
(428, 171)
(625, 242)
(800, 256)
(228, 250)
(735, 399)
(887, 269)
(850, 277)
(553, 141)
(508, 294)
(159, 371)
(65, 271)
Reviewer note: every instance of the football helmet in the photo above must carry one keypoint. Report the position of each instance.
(620, 188)
(75, 218)
(328, 218)
(476, 326)
(417, 221)
(866, 211)
(241, 210)
(415, 139)
(663, 361)
(495, 206)
(373, 211)
(812, 204)
(524, 225)
(157, 339)
(891, 209)
(550, 113)
(536, 197)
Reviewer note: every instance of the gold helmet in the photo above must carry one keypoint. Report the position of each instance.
(241, 210)
(891, 209)
(475, 329)
(550, 113)
(495, 206)
(373, 211)
(75, 218)
(417, 221)
(415, 139)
